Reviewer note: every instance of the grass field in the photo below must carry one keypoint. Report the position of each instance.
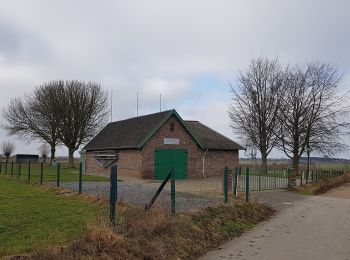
(32, 218)
(49, 173)
(319, 165)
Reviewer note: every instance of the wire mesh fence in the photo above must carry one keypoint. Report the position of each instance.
(39, 172)
(136, 187)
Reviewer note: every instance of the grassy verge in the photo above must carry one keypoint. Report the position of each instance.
(51, 224)
(323, 185)
(157, 235)
(32, 218)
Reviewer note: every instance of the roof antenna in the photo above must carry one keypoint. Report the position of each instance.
(160, 103)
(137, 103)
(112, 106)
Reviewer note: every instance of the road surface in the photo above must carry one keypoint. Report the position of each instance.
(315, 227)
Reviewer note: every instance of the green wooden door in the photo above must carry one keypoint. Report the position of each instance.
(166, 158)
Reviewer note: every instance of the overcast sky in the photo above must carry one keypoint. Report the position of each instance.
(187, 51)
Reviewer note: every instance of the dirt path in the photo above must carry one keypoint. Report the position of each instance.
(305, 228)
(341, 192)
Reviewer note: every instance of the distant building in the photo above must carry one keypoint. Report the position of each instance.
(25, 158)
(147, 146)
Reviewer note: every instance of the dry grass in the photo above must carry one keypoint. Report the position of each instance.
(323, 185)
(158, 235)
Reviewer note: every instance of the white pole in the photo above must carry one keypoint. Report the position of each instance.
(137, 103)
(112, 106)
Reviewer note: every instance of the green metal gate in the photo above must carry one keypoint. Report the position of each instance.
(166, 158)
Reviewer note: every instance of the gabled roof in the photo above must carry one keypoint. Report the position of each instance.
(210, 138)
(134, 133)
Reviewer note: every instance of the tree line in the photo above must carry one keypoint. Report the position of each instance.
(291, 108)
(57, 113)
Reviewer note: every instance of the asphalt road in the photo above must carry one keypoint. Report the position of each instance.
(304, 228)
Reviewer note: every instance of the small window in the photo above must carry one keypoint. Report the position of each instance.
(172, 127)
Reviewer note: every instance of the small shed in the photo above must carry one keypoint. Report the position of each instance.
(25, 158)
(147, 146)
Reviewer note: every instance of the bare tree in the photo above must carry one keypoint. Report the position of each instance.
(44, 151)
(33, 117)
(68, 112)
(7, 148)
(82, 111)
(255, 104)
(312, 111)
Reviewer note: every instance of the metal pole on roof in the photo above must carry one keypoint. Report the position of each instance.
(137, 103)
(160, 103)
(112, 106)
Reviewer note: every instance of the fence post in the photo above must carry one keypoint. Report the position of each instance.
(29, 171)
(58, 174)
(0, 166)
(12, 168)
(19, 170)
(173, 195)
(41, 173)
(260, 179)
(6, 163)
(236, 182)
(80, 177)
(301, 178)
(113, 195)
(225, 184)
(247, 185)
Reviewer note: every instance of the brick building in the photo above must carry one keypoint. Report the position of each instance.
(147, 146)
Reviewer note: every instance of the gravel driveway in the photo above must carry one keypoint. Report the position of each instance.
(140, 195)
(315, 227)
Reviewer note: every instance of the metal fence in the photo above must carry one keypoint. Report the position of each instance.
(191, 193)
(60, 175)
(258, 180)
(273, 179)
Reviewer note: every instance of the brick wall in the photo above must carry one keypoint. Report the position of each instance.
(216, 160)
(129, 163)
(92, 165)
(140, 163)
(157, 142)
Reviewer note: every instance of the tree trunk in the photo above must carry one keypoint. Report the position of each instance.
(292, 178)
(71, 157)
(264, 162)
(53, 152)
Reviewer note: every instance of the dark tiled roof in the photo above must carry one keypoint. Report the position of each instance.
(126, 133)
(133, 132)
(210, 138)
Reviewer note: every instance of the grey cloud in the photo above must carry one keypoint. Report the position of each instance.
(154, 47)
